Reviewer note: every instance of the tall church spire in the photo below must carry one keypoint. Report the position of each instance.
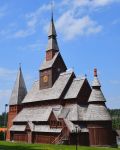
(52, 40)
(19, 90)
(52, 31)
(53, 64)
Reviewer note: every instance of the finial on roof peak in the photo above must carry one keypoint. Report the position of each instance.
(95, 72)
(52, 7)
(19, 65)
(96, 82)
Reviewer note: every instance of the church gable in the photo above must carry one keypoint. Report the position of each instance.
(29, 126)
(50, 71)
(79, 90)
(84, 93)
(53, 121)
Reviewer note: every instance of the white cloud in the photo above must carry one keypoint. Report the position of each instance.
(73, 19)
(35, 46)
(23, 33)
(76, 26)
(90, 3)
(32, 20)
(99, 3)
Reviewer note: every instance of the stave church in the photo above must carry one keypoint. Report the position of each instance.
(60, 108)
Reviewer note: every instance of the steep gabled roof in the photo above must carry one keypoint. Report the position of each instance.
(75, 88)
(33, 114)
(73, 112)
(55, 92)
(50, 63)
(19, 90)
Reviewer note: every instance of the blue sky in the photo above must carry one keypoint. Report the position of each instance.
(88, 36)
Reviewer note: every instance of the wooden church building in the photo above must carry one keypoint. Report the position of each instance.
(60, 108)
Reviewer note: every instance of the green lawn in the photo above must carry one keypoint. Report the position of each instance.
(18, 146)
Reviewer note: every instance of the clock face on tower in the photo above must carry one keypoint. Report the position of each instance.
(45, 79)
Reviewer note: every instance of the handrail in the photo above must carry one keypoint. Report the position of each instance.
(57, 140)
(60, 139)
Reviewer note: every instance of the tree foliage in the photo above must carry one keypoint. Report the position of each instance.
(3, 120)
(115, 113)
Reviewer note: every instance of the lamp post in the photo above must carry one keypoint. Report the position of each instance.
(5, 120)
(76, 127)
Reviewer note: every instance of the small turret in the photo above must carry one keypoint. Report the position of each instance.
(96, 94)
(96, 108)
(97, 116)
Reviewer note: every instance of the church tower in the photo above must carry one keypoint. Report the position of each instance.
(17, 96)
(53, 64)
(97, 116)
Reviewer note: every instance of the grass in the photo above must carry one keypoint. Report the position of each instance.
(22, 146)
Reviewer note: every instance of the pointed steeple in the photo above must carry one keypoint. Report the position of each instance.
(96, 82)
(97, 110)
(19, 90)
(52, 40)
(52, 31)
(96, 94)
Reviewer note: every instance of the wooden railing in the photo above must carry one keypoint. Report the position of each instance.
(56, 139)
(60, 137)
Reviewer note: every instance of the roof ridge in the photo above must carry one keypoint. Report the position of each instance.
(67, 72)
